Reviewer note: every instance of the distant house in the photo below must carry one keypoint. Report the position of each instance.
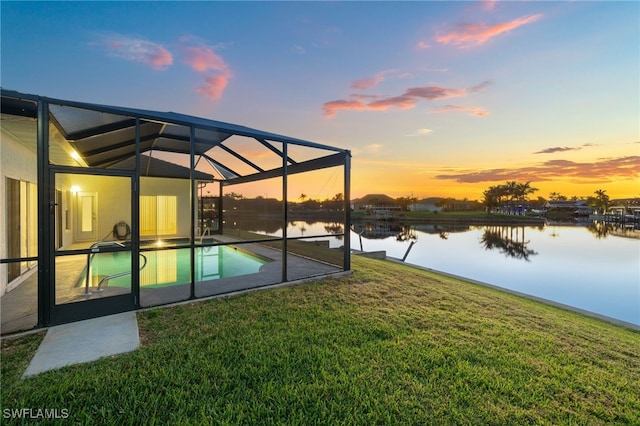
(427, 204)
(371, 201)
(629, 207)
(630, 211)
(576, 207)
(617, 210)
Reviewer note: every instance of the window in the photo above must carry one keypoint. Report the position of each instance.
(21, 211)
(158, 215)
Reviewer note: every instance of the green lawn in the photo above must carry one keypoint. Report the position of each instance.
(388, 345)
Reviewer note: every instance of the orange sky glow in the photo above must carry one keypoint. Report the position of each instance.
(433, 98)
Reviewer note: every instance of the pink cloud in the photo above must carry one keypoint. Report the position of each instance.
(402, 102)
(479, 87)
(406, 100)
(488, 4)
(369, 82)
(202, 59)
(140, 50)
(214, 86)
(476, 34)
(557, 149)
(423, 45)
(433, 93)
(366, 83)
(476, 111)
(608, 169)
(331, 108)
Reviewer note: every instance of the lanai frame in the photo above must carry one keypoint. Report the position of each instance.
(15, 103)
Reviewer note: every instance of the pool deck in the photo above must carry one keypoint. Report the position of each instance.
(18, 307)
(270, 273)
(92, 339)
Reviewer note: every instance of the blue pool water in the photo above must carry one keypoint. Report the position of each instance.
(171, 267)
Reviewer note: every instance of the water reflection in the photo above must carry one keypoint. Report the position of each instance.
(602, 229)
(443, 231)
(509, 240)
(334, 228)
(407, 234)
(273, 226)
(567, 263)
(375, 230)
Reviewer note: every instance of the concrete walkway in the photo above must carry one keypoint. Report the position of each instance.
(85, 341)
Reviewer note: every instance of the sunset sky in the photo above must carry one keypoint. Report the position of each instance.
(432, 98)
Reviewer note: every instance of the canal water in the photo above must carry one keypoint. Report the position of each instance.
(591, 266)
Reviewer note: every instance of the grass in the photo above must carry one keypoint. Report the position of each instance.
(388, 345)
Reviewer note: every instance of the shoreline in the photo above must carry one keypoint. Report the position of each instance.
(458, 220)
(591, 314)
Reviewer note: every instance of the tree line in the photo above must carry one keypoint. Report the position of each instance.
(507, 193)
(236, 201)
(512, 192)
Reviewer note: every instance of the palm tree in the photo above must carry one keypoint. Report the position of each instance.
(523, 190)
(602, 199)
(493, 197)
(405, 202)
(511, 188)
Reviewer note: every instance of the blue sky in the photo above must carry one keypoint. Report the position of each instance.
(433, 98)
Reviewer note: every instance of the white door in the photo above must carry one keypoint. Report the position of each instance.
(86, 216)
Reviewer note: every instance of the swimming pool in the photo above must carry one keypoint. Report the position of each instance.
(172, 267)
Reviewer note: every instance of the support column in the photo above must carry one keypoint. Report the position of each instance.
(135, 224)
(45, 209)
(220, 230)
(194, 195)
(347, 211)
(285, 212)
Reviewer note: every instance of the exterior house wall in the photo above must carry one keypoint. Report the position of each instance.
(181, 188)
(113, 203)
(19, 162)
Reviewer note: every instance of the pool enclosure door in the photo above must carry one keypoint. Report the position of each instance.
(91, 249)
